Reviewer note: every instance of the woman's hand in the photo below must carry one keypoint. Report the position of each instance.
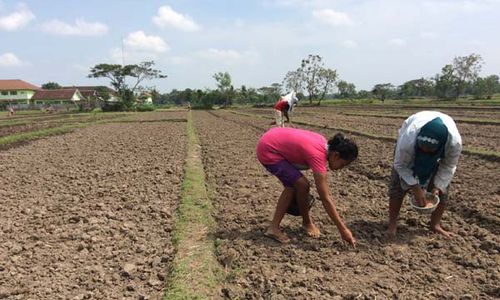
(347, 236)
(436, 192)
(419, 195)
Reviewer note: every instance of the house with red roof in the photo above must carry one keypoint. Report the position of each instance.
(56, 97)
(16, 91)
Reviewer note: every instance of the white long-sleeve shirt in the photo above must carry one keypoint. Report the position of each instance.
(405, 148)
(292, 100)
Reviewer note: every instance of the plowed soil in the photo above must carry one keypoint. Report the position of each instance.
(416, 265)
(89, 214)
(485, 136)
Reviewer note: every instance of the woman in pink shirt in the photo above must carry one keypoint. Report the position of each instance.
(286, 151)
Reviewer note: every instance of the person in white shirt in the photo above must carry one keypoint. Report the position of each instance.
(284, 107)
(425, 159)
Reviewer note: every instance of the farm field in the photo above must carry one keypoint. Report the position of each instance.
(418, 265)
(90, 214)
(29, 123)
(387, 123)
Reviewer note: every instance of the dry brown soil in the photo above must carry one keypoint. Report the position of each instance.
(416, 265)
(89, 214)
(483, 136)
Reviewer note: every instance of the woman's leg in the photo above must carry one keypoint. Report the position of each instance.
(302, 188)
(396, 196)
(436, 220)
(281, 208)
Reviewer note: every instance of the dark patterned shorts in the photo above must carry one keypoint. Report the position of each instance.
(398, 188)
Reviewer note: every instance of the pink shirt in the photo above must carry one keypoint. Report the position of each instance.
(302, 148)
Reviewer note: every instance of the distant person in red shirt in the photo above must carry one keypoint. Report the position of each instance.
(284, 107)
(286, 151)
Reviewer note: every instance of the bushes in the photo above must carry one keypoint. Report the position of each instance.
(145, 107)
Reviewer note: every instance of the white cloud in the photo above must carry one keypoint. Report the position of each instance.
(141, 42)
(228, 55)
(17, 19)
(168, 17)
(10, 60)
(221, 54)
(80, 28)
(332, 17)
(429, 35)
(139, 47)
(397, 42)
(350, 44)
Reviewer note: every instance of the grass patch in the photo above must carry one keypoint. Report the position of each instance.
(148, 121)
(195, 272)
(26, 136)
(32, 135)
(482, 153)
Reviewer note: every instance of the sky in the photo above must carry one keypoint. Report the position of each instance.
(256, 42)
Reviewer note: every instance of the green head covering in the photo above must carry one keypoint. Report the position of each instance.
(433, 136)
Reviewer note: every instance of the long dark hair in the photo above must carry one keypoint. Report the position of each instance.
(345, 147)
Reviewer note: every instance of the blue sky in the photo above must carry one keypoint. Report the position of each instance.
(257, 42)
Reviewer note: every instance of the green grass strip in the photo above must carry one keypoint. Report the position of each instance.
(398, 116)
(195, 272)
(32, 135)
(483, 153)
(26, 136)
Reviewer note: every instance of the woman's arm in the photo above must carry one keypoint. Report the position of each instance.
(447, 166)
(329, 205)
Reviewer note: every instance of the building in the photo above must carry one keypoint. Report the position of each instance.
(59, 97)
(16, 92)
(97, 92)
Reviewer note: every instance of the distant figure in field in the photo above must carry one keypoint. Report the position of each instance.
(284, 107)
(286, 151)
(425, 159)
(188, 105)
(11, 111)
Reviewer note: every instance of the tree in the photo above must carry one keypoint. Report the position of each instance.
(445, 82)
(466, 70)
(293, 81)
(51, 86)
(383, 90)
(416, 88)
(327, 81)
(310, 69)
(346, 89)
(492, 85)
(318, 80)
(485, 87)
(117, 74)
(224, 86)
(364, 94)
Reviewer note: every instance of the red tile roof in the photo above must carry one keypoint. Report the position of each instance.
(60, 94)
(16, 84)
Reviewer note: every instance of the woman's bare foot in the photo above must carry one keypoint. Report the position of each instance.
(277, 235)
(391, 231)
(312, 230)
(438, 229)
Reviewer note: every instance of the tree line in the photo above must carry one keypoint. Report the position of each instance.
(312, 81)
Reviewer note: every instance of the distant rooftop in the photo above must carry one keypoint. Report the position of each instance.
(60, 94)
(16, 84)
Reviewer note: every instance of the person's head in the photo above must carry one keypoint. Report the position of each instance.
(432, 136)
(341, 151)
